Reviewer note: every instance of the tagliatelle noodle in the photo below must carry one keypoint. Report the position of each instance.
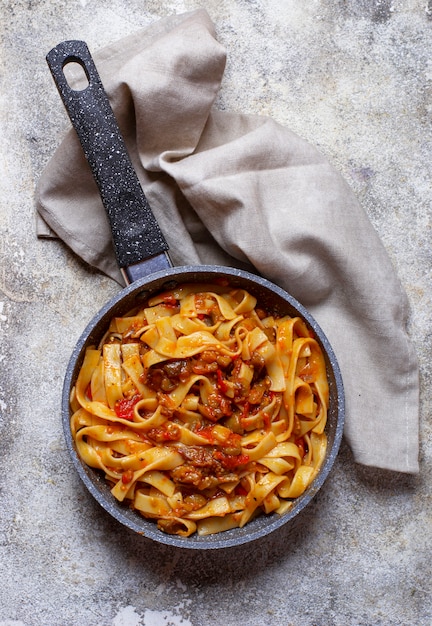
(203, 410)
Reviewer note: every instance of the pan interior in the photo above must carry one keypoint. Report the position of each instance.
(269, 296)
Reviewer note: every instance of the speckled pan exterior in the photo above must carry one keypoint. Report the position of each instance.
(136, 237)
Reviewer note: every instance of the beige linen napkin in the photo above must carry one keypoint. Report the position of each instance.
(243, 191)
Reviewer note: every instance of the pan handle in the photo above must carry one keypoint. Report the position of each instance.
(135, 231)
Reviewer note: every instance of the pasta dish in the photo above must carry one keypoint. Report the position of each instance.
(202, 409)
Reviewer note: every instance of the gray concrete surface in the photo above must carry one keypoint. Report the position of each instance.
(355, 78)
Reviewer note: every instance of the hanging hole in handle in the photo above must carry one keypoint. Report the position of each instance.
(76, 75)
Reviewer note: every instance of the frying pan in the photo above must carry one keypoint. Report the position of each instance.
(141, 252)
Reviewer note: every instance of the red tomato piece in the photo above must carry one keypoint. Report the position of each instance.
(125, 408)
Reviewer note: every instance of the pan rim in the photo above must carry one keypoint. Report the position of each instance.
(226, 539)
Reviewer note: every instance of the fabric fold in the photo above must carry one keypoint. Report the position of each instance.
(244, 191)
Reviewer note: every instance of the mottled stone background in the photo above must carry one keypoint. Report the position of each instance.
(354, 77)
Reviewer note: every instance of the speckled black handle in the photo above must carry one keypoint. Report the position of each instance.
(136, 234)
